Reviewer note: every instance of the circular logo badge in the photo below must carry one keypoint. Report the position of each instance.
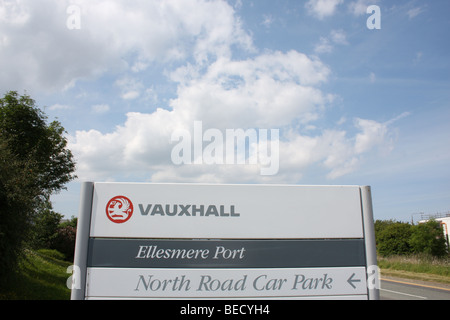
(119, 209)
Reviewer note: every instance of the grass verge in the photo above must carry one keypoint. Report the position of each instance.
(416, 267)
(41, 276)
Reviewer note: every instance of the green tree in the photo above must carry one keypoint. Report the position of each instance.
(17, 199)
(428, 238)
(30, 137)
(65, 239)
(46, 224)
(35, 163)
(393, 237)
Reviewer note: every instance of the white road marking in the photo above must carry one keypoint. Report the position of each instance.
(405, 294)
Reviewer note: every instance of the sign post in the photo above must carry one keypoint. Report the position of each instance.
(225, 241)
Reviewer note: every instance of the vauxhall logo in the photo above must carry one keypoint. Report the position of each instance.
(120, 209)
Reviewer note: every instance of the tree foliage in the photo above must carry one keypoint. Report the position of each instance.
(392, 237)
(29, 137)
(17, 199)
(400, 238)
(50, 233)
(34, 163)
(428, 238)
(46, 224)
(64, 240)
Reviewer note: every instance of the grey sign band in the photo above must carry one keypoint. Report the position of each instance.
(147, 253)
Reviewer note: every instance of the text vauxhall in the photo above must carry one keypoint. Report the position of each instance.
(188, 210)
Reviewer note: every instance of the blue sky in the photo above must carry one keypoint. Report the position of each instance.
(353, 105)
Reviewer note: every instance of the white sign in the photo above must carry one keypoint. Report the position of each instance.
(224, 241)
(225, 211)
(225, 283)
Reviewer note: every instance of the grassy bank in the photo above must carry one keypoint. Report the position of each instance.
(418, 267)
(41, 276)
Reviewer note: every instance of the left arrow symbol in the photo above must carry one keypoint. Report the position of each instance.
(351, 281)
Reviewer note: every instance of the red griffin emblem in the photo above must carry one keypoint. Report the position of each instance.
(119, 209)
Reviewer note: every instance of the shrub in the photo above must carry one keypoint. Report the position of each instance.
(393, 238)
(428, 238)
(46, 223)
(400, 238)
(64, 241)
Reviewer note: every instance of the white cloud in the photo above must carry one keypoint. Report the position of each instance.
(267, 20)
(326, 44)
(269, 91)
(322, 8)
(359, 7)
(59, 107)
(372, 134)
(100, 108)
(194, 47)
(130, 88)
(38, 51)
(414, 12)
(338, 37)
(14, 13)
(376, 135)
(399, 117)
(272, 90)
(336, 151)
(238, 4)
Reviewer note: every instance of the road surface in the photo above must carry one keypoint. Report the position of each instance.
(406, 289)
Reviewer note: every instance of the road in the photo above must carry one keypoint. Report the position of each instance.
(405, 289)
